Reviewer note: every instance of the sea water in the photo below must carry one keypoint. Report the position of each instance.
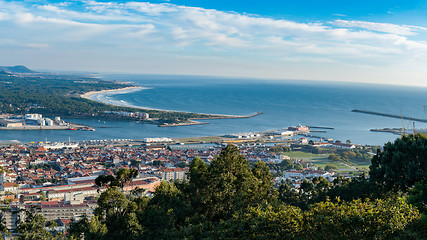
(283, 103)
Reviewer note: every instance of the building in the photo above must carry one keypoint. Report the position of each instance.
(57, 210)
(142, 115)
(33, 116)
(49, 122)
(343, 145)
(154, 140)
(243, 135)
(84, 191)
(11, 217)
(173, 174)
(9, 187)
(283, 133)
(10, 123)
(145, 116)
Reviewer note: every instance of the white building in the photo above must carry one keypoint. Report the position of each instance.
(154, 140)
(172, 174)
(33, 116)
(283, 133)
(10, 123)
(49, 122)
(243, 135)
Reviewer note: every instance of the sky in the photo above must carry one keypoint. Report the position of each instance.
(358, 41)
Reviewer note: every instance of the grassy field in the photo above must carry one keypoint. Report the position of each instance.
(321, 160)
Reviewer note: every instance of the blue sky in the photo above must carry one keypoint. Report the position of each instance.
(359, 41)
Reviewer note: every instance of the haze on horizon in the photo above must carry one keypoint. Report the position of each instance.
(382, 42)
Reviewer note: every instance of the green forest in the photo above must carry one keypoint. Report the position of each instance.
(228, 199)
(60, 95)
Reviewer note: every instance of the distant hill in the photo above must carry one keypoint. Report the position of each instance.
(16, 69)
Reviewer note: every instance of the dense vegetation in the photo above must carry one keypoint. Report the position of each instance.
(60, 95)
(230, 200)
(348, 156)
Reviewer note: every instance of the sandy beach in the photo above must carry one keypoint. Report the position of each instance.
(94, 97)
(89, 95)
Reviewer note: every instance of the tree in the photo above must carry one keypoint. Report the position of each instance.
(33, 227)
(330, 167)
(118, 214)
(289, 195)
(283, 222)
(401, 164)
(111, 203)
(376, 219)
(334, 157)
(104, 180)
(415, 198)
(233, 186)
(198, 183)
(85, 229)
(170, 209)
(264, 189)
(123, 176)
(43, 197)
(357, 219)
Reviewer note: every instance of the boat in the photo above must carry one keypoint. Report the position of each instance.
(73, 129)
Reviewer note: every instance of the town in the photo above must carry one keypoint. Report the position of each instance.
(59, 178)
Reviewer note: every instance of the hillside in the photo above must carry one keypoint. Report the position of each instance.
(16, 69)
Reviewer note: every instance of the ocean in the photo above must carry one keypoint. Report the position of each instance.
(283, 103)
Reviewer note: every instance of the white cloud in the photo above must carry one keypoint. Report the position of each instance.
(150, 8)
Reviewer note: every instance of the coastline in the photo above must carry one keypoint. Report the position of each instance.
(93, 96)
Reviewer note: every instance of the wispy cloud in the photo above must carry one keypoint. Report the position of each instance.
(380, 27)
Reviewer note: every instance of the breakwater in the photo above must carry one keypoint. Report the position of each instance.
(329, 128)
(223, 116)
(390, 115)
